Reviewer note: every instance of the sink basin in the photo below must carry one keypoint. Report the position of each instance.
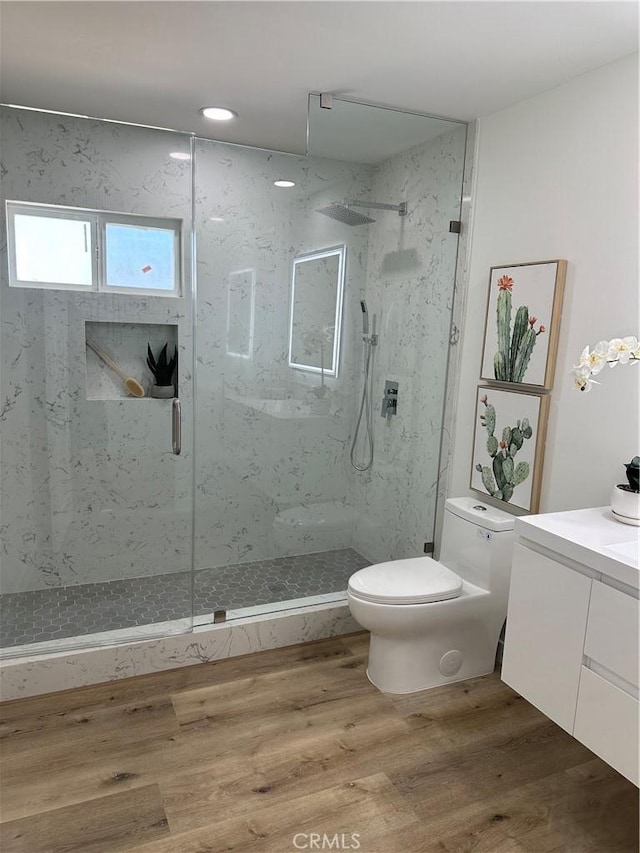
(627, 551)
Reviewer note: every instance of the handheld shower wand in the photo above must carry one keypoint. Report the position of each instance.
(365, 317)
(368, 339)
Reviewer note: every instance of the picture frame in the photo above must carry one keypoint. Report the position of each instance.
(508, 447)
(522, 323)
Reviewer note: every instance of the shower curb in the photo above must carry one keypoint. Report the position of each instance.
(21, 677)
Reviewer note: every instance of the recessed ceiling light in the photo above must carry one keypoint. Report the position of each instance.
(283, 182)
(218, 113)
(216, 218)
(180, 155)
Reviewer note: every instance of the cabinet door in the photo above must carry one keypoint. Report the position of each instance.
(607, 722)
(612, 631)
(546, 624)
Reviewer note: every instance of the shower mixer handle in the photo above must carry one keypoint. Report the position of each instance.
(390, 399)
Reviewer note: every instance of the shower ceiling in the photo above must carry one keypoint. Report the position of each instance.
(157, 63)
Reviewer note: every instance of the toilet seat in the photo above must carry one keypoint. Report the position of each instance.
(418, 580)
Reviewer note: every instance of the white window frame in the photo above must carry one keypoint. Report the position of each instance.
(98, 221)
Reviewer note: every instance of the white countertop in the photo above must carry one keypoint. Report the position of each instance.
(591, 537)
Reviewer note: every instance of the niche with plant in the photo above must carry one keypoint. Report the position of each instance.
(127, 347)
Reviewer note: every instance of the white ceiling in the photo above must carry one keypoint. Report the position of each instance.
(363, 134)
(157, 62)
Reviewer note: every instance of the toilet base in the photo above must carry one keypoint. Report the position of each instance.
(411, 665)
(438, 683)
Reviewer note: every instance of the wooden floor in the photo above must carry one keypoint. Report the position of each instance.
(271, 752)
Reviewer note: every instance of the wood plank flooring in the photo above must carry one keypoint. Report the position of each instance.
(291, 749)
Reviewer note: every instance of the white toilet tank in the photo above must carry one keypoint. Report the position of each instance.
(477, 542)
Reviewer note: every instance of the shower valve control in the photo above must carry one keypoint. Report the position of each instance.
(390, 399)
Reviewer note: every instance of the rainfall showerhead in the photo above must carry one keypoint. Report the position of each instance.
(345, 215)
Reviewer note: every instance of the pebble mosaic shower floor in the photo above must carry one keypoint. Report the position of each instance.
(58, 612)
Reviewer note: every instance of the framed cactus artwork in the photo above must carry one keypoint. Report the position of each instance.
(508, 447)
(523, 323)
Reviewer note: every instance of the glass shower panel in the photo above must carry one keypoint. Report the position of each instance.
(274, 519)
(410, 263)
(96, 507)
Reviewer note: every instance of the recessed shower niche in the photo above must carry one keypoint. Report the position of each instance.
(125, 344)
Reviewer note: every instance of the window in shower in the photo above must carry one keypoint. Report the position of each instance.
(51, 250)
(68, 248)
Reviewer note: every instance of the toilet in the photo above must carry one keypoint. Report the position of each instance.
(433, 622)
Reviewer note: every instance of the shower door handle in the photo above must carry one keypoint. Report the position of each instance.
(176, 426)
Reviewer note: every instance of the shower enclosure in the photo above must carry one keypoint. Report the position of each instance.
(124, 237)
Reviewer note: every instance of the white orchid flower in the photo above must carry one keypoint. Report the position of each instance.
(584, 358)
(596, 359)
(582, 378)
(615, 351)
(620, 350)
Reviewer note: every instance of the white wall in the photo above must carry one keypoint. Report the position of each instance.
(557, 177)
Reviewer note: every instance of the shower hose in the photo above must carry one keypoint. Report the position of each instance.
(365, 412)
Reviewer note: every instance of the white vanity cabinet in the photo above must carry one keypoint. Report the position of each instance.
(546, 625)
(572, 639)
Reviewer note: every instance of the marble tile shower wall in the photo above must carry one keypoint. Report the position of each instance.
(256, 457)
(90, 488)
(410, 287)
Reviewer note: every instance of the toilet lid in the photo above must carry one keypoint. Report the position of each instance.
(414, 581)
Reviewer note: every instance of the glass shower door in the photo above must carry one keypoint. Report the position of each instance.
(96, 491)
